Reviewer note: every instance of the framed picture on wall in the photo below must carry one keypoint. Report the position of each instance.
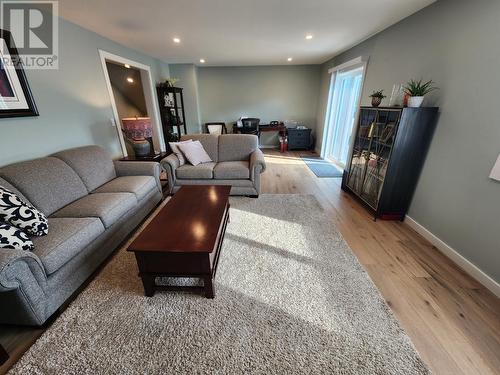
(16, 98)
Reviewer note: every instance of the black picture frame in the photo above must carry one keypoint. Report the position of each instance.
(30, 107)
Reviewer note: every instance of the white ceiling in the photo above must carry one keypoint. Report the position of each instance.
(239, 32)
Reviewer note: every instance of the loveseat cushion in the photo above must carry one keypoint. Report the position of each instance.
(92, 163)
(237, 147)
(140, 186)
(67, 237)
(210, 143)
(109, 207)
(199, 172)
(232, 170)
(48, 183)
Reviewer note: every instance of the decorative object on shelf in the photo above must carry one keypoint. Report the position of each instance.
(138, 132)
(377, 97)
(16, 98)
(169, 82)
(416, 91)
(390, 146)
(171, 103)
(495, 172)
(397, 96)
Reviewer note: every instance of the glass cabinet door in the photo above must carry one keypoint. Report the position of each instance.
(361, 150)
(382, 135)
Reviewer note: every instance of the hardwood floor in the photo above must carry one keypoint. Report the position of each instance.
(453, 321)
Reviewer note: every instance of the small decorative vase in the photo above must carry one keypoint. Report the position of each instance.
(141, 148)
(415, 101)
(376, 101)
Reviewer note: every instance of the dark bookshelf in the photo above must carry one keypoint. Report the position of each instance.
(389, 150)
(173, 117)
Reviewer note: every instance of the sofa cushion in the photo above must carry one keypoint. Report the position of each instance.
(109, 207)
(67, 237)
(48, 183)
(92, 163)
(140, 186)
(200, 172)
(232, 170)
(237, 147)
(210, 143)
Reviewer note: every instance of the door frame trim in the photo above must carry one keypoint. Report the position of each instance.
(149, 96)
(362, 62)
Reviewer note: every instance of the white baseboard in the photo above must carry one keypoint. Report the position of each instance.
(451, 253)
(268, 146)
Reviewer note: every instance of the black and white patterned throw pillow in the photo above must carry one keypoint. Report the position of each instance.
(18, 213)
(13, 238)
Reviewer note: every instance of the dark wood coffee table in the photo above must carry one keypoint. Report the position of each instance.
(184, 239)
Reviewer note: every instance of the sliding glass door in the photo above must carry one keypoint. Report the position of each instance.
(345, 89)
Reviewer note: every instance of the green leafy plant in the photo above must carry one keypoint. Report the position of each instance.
(417, 88)
(378, 94)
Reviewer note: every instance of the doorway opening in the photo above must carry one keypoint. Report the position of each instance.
(135, 110)
(343, 102)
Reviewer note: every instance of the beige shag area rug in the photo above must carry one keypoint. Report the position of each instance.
(291, 298)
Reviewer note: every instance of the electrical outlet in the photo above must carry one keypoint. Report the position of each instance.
(112, 122)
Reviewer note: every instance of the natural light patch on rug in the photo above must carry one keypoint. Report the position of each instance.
(290, 298)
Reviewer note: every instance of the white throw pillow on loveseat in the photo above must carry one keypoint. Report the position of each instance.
(194, 152)
(175, 149)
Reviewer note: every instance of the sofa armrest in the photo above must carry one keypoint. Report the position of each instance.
(139, 168)
(170, 164)
(257, 163)
(20, 267)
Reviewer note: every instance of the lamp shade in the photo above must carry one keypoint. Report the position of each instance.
(137, 128)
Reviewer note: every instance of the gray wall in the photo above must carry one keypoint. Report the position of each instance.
(73, 101)
(267, 92)
(188, 80)
(456, 44)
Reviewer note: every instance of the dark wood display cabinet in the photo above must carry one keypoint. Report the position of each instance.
(388, 154)
(173, 117)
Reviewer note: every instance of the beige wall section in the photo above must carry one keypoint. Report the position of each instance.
(73, 101)
(267, 92)
(456, 44)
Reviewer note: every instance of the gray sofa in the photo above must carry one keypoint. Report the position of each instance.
(92, 204)
(237, 161)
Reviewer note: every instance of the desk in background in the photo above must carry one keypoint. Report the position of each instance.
(296, 139)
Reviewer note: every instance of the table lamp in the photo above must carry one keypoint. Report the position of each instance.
(138, 131)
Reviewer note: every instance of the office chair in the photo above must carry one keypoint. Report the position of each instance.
(215, 128)
(250, 126)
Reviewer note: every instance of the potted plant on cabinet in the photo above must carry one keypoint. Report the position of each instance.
(416, 90)
(377, 97)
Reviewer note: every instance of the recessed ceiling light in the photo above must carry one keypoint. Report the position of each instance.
(176, 40)
(127, 66)
(202, 61)
(309, 36)
(130, 80)
(289, 59)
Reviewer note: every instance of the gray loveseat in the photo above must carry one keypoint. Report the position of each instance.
(92, 204)
(237, 161)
